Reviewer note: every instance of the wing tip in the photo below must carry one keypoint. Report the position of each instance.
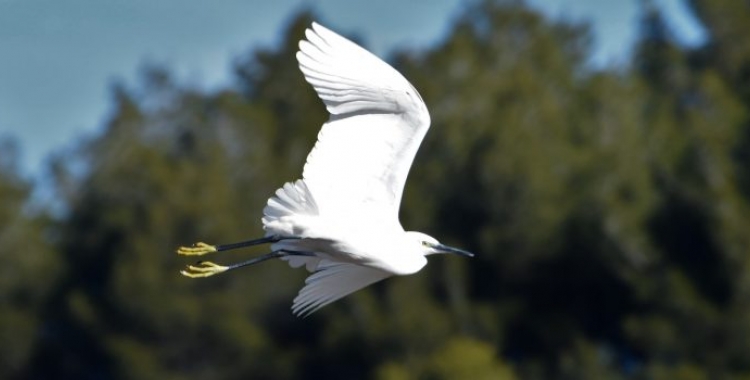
(315, 26)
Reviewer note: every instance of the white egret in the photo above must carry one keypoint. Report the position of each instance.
(340, 220)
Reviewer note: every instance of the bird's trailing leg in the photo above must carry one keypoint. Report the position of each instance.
(207, 268)
(200, 248)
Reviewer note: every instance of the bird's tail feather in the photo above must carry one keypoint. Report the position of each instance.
(283, 210)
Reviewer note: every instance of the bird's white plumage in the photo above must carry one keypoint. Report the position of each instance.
(331, 282)
(340, 221)
(354, 176)
(378, 120)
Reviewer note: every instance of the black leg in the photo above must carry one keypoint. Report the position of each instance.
(248, 243)
(207, 268)
(201, 248)
(268, 256)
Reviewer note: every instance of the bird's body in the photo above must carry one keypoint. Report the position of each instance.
(340, 220)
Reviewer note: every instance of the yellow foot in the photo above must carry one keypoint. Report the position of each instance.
(203, 269)
(197, 249)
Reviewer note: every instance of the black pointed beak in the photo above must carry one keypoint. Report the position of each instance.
(455, 251)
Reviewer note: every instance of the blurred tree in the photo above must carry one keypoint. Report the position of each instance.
(28, 267)
(158, 176)
(692, 297)
(728, 48)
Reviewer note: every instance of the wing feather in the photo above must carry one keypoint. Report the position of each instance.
(332, 282)
(378, 120)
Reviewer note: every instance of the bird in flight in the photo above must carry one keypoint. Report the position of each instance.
(340, 221)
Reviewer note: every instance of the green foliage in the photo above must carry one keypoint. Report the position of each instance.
(28, 266)
(462, 358)
(608, 208)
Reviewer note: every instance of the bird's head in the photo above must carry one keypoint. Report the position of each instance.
(431, 246)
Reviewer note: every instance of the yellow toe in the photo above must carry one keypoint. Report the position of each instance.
(197, 249)
(203, 269)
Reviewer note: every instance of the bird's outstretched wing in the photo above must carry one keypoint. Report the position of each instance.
(332, 281)
(359, 165)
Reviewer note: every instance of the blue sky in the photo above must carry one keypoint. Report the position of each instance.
(58, 58)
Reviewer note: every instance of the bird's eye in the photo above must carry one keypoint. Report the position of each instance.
(426, 244)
